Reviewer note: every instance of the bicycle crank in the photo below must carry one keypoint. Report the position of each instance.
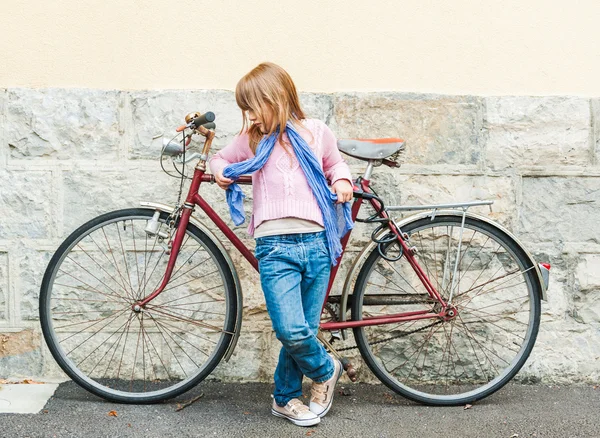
(350, 371)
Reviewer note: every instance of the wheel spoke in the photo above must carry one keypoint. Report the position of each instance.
(137, 346)
(95, 321)
(101, 344)
(137, 267)
(192, 294)
(103, 252)
(147, 261)
(93, 334)
(159, 357)
(401, 276)
(115, 293)
(118, 344)
(482, 285)
(189, 281)
(164, 322)
(89, 288)
(99, 265)
(167, 343)
(183, 318)
(116, 265)
(179, 307)
(166, 327)
(174, 275)
(424, 261)
(152, 273)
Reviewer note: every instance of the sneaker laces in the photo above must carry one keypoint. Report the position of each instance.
(297, 407)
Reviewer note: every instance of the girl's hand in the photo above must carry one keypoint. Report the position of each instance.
(222, 181)
(343, 189)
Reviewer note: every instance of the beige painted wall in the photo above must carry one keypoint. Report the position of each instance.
(487, 47)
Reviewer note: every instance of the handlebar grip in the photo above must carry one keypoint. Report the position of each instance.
(210, 125)
(204, 119)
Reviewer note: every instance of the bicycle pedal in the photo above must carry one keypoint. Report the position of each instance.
(350, 371)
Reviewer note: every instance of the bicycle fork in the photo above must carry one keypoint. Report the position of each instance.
(175, 246)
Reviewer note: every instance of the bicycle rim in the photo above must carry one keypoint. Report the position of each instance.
(96, 337)
(461, 360)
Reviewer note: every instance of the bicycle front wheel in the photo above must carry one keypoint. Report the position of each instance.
(496, 296)
(98, 339)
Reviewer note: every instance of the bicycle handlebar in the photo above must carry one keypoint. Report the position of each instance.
(195, 120)
(205, 118)
(202, 124)
(210, 125)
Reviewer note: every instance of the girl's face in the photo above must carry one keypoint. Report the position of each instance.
(263, 122)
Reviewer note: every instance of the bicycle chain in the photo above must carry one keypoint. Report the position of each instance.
(403, 334)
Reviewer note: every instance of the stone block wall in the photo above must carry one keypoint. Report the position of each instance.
(67, 155)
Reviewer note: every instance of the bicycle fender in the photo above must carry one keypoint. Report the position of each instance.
(358, 262)
(238, 320)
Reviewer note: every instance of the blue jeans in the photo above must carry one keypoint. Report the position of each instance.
(294, 272)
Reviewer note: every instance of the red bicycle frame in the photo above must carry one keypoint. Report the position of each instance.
(194, 199)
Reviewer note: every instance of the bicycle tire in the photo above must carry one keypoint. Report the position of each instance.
(401, 341)
(166, 329)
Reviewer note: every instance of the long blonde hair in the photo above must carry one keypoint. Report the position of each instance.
(268, 87)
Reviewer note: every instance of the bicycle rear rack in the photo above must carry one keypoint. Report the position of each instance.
(384, 222)
(383, 243)
(435, 207)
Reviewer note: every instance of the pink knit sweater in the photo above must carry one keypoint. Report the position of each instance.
(280, 188)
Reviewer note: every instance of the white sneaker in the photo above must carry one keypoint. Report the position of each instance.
(322, 393)
(297, 412)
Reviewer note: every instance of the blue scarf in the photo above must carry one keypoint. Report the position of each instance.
(337, 218)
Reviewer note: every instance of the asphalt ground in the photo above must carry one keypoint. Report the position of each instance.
(243, 410)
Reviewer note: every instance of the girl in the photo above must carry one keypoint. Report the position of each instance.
(292, 222)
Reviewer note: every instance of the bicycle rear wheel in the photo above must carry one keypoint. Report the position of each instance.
(468, 357)
(86, 299)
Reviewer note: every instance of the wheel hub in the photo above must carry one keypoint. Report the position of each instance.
(450, 313)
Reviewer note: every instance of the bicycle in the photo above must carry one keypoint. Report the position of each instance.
(140, 305)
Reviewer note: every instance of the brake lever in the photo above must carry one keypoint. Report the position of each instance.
(189, 125)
